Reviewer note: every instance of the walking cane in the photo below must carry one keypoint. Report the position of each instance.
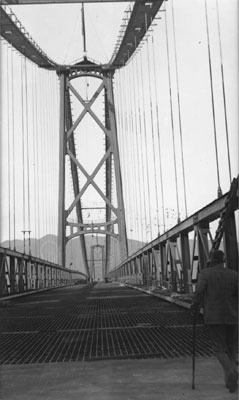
(194, 351)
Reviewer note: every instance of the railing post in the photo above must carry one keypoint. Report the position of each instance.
(185, 251)
(12, 275)
(20, 276)
(172, 257)
(230, 242)
(36, 275)
(156, 266)
(3, 280)
(163, 261)
(203, 247)
(44, 276)
(51, 275)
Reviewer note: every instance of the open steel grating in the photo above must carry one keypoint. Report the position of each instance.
(95, 322)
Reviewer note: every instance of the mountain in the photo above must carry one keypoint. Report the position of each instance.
(46, 248)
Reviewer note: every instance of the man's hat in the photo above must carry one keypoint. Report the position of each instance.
(217, 257)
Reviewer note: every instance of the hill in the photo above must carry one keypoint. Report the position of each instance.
(46, 248)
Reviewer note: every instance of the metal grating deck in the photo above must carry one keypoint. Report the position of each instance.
(95, 322)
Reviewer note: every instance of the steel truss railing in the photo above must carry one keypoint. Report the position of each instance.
(169, 262)
(21, 273)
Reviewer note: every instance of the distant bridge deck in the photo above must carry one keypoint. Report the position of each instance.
(45, 337)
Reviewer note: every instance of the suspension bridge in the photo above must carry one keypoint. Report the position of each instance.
(116, 174)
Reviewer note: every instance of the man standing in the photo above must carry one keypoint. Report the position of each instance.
(217, 293)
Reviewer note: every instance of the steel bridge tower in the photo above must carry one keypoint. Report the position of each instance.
(113, 225)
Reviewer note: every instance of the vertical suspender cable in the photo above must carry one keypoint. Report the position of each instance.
(179, 112)
(42, 204)
(146, 147)
(38, 136)
(219, 191)
(140, 154)
(83, 29)
(153, 139)
(55, 141)
(28, 155)
(47, 152)
(141, 147)
(50, 142)
(13, 156)
(123, 146)
(223, 89)
(34, 150)
(119, 114)
(23, 150)
(137, 153)
(171, 109)
(45, 157)
(158, 133)
(137, 123)
(123, 136)
(133, 186)
(9, 153)
(127, 146)
(130, 175)
(146, 151)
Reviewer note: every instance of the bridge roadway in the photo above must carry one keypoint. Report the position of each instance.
(105, 342)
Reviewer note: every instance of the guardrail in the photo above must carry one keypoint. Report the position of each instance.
(21, 273)
(173, 260)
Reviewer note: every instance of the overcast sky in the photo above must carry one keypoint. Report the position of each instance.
(58, 31)
(58, 28)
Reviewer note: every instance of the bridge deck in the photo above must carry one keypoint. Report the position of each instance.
(142, 345)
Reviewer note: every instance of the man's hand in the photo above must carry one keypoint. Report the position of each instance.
(194, 310)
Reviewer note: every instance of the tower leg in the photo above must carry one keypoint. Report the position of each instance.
(61, 194)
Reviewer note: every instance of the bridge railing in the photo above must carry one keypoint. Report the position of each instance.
(21, 273)
(173, 260)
